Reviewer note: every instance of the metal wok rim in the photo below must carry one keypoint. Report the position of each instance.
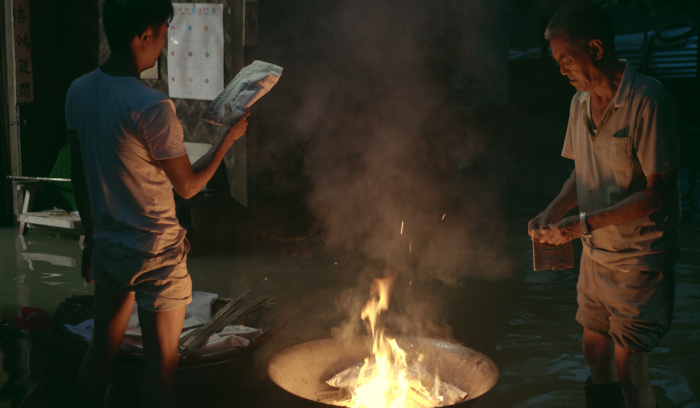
(482, 360)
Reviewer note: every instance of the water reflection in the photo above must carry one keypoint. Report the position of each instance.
(51, 259)
(554, 399)
(525, 323)
(38, 270)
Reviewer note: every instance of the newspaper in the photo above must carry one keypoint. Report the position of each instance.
(249, 85)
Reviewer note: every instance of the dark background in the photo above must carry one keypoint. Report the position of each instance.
(295, 34)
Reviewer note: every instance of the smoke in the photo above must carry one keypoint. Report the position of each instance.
(383, 144)
(380, 156)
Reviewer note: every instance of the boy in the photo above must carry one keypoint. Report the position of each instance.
(127, 149)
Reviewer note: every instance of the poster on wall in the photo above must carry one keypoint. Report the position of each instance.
(23, 52)
(196, 51)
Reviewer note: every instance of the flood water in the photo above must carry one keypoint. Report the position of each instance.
(524, 322)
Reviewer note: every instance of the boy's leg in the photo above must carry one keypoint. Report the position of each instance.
(633, 371)
(112, 311)
(161, 334)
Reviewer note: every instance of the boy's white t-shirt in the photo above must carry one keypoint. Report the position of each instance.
(124, 128)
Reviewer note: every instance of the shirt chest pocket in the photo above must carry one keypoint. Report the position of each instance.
(621, 153)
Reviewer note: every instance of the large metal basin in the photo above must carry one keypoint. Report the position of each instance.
(303, 369)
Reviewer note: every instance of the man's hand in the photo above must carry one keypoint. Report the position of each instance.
(564, 231)
(542, 221)
(565, 201)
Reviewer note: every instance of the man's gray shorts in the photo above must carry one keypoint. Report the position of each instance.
(634, 308)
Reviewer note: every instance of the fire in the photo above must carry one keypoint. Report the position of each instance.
(388, 381)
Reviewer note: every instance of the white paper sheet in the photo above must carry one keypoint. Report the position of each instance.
(83, 329)
(196, 51)
(239, 330)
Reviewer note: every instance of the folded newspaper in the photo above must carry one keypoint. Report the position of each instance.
(249, 85)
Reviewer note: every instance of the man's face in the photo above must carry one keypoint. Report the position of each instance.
(575, 63)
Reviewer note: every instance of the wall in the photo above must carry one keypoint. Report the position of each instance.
(64, 47)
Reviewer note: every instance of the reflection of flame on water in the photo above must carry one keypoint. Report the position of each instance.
(388, 381)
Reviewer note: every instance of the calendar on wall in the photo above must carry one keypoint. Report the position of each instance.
(196, 51)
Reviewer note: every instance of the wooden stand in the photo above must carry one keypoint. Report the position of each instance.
(56, 219)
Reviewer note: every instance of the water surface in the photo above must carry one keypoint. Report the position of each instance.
(524, 322)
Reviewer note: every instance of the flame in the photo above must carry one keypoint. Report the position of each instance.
(387, 382)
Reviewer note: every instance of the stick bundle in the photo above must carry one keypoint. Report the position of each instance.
(229, 313)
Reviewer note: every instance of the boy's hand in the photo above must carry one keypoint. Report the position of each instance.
(237, 130)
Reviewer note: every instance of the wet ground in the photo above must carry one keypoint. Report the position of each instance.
(524, 322)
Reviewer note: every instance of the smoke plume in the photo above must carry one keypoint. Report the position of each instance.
(384, 145)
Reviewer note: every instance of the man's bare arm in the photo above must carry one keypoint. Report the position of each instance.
(188, 179)
(565, 201)
(659, 192)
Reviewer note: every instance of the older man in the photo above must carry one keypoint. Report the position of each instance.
(622, 138)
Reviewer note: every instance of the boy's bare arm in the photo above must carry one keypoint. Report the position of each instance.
(80, 190)
(188, 179)
(204, 161)
(82, 200)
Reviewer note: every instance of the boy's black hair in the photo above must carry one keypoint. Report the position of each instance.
(124, 19)
(581, 22)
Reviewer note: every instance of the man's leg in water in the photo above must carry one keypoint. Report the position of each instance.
(161, 335)
(112, 311)
(600, 354)
(633, 371)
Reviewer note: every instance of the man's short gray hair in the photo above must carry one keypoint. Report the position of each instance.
(580, 22)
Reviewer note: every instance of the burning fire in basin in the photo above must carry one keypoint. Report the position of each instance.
(383, 372)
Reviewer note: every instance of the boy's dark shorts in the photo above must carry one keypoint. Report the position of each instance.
(160, 282)
(635, 309)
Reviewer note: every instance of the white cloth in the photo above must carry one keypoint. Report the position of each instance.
(241, 331)
(198, 312)
(230, 337)
(124, 128)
